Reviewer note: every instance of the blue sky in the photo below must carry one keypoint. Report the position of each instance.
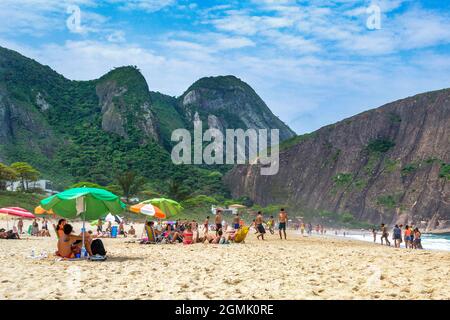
(313, 62)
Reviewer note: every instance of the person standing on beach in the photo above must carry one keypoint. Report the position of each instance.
(417, 239)
(218, 221)
(20, 225)
(259, 225)
(100, 226)
(282, 222)
(374, 232)
(408, 237)
(397, 236)
(206, 225)
(384, 235)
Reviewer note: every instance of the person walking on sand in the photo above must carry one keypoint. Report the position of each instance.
(397, 236)
(218, 221)
(259, 225)
(384, 235)
(282, 222)
(374, 233)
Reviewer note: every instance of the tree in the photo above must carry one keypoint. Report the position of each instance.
(6, 174)
(130, 183)
(26, 173)
(177, 190)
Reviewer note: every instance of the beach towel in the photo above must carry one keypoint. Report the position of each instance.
(241, 234)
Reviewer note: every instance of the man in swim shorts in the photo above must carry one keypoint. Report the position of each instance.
(259, 225)
(282, 221)
(218, 221)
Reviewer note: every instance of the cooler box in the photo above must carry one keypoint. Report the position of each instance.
(114, 231)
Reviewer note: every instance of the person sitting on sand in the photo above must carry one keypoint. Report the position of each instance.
(282, 221)
(122, 229)
(172, 235)
(59, 228)
(132, 231)
(188, 235)
(69, 245)
(384, 234)
(236, 221)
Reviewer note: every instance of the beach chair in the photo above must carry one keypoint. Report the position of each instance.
(241, 234)
(151, 236)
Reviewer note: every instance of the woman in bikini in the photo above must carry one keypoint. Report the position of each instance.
(69, 245)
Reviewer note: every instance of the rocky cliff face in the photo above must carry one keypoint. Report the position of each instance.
(229, 103)
(125, 103)
(384, 165)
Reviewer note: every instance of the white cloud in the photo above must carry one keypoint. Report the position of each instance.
(146, 5)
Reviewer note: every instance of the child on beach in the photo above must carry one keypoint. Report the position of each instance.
(206, 224)
(374, 233)
(270, 224)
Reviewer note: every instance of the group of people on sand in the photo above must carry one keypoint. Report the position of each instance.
(109, 228)
(410, 235)
(258, 224)
(69, 244)
(189, 232)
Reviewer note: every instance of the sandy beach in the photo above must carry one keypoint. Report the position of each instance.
(299, 268)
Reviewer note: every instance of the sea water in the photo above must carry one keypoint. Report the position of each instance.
(429, 241)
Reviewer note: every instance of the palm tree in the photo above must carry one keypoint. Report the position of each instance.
(130, 183)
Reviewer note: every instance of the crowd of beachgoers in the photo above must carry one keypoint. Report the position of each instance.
(213, 231)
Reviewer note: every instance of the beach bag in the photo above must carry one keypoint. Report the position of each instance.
(97, 247)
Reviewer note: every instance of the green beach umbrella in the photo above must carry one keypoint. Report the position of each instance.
(86, 203)
(168, 206)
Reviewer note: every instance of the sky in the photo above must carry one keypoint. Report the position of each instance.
(313, 62)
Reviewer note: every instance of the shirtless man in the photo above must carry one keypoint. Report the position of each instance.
(282, 221)
(69, 244)
(259, 225)
(218, 221)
